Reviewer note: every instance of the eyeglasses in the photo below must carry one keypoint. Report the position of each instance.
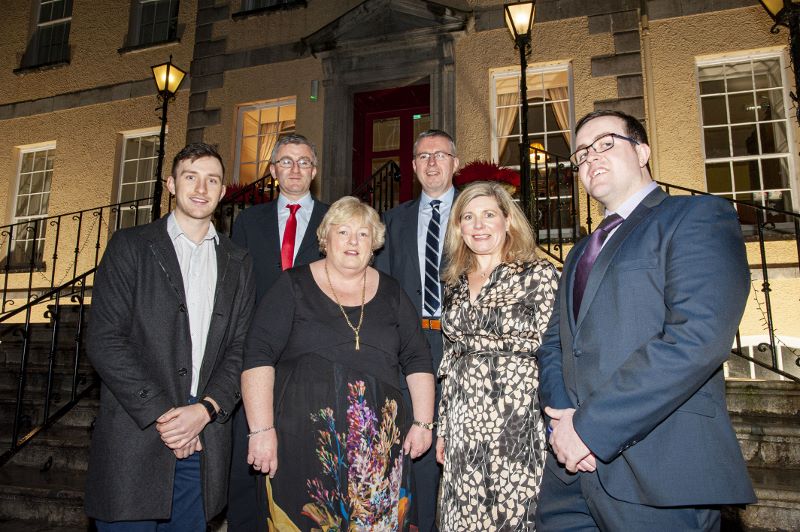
(604, 143)
(304, 163)
(437, 156)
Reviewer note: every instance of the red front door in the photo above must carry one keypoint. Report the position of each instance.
(386, 124)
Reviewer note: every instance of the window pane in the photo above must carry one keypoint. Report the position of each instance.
(423, 123)
(261, 126)
(779, 200)
(27, 162)
(536, 119)
(746, 176)
(22, 206)
(773, 138)
(717, 143)
(714, 111)
(745, 140)
(386, 134)
(739, 77)
(130, 171)
(767, 73)
(718, 177)
(770, 104)
(742, 107)
(775, 172)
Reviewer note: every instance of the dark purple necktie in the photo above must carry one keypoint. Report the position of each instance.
(590, 254)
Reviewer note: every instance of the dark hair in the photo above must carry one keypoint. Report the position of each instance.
(293, 138)
(435, 133)
(633, 128)
(195, 151)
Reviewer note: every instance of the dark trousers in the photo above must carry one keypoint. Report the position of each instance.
(243, 502)
(585, 506)
(187, 505)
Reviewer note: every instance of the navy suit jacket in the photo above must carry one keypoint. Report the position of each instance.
(642, 364)
(256, 229)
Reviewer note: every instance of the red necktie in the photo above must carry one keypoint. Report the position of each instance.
(287, 247)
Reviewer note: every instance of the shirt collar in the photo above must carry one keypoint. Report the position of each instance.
(306, 202)
(446, 199)
(174, 230)
(631, 203)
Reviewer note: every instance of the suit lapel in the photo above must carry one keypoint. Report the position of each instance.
(569, 277)
(606, 255)
(227, 280)
(408, 235)
(272, 235)
(310, 238)
(164, 253)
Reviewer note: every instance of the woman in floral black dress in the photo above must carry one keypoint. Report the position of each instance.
(497, 304)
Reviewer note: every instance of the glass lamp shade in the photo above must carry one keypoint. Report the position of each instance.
(519, 18)
(168, 77)
(775, 7)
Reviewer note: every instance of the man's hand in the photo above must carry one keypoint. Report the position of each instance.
(440, 450)
(262, 452)
(567, 444)
(179, 426)
(418, 440)
(189, 449)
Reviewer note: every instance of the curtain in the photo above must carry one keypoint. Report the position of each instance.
(268, 137)
(561, 109)
(505, 119)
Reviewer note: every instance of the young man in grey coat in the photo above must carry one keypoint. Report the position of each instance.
(171, 306)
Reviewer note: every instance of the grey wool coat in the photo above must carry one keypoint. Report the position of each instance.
(139, 343)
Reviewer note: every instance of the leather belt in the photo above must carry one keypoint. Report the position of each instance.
(433, 324)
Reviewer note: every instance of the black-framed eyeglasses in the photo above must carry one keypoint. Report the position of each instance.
(437, 156)
(304, 163)
(604, 143)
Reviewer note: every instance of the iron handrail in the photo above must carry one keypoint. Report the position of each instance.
(380, 190)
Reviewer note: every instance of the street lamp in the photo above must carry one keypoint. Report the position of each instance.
(519, 19)
(168, 80)
(787, 13)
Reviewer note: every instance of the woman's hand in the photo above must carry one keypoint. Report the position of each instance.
(418, 440)
(262, 452)
(440, 450)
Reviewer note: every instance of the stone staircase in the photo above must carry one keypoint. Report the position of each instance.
(766, 417)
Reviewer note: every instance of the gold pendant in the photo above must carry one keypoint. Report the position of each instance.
(358, 343)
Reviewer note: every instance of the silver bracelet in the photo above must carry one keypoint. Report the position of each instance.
(265, 429)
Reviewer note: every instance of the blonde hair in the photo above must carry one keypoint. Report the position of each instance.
(351, 208)
(519, 244)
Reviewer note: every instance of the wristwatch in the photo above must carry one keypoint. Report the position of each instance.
(422, 424)
(212, 412)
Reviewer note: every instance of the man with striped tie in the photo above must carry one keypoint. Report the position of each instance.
(413, 255)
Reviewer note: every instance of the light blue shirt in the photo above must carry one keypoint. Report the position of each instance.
(423, 219)
(198, 264)
(629, 205)
(303, 216)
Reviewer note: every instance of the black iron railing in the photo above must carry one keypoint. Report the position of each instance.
(53, 351)
(41, 254)
(382, 189)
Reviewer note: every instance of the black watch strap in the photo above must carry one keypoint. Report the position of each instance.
(212, 412)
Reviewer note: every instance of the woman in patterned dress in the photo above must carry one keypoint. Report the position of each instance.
(498, 300)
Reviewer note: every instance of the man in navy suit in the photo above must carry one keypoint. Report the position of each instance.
(404, 257)
(262, 230)
(631, 364)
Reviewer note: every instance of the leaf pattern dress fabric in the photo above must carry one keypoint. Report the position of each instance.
(489, 414)
(340, 417)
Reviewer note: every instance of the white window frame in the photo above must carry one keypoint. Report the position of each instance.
(137, 23)
(245, 107)
(127, 135)
(780, 55)
(21, 152)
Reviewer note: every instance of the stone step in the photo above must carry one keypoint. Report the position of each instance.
(36, 377)
(55, 496)
(778, 506)
(24, 525)
(771, 398)
(59, 447)
(768, 441)
(82, 415)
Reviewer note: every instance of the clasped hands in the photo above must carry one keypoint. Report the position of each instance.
(567, 444)
(180, 429)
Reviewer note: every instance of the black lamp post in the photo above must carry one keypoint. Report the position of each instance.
(787, 13)
(168, 80)
(519, 19)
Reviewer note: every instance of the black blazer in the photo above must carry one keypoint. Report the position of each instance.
(256, 229)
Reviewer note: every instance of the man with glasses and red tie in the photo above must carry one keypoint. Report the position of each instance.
(412, 254)
(631, 363)
(279, 235)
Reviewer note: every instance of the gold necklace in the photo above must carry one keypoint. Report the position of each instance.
(356, 330)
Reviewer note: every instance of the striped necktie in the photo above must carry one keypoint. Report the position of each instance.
(431, 297)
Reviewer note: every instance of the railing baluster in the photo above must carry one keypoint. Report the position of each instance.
(761, 222)
(55, 316)
(9, 234)
(57, 224)
(77, 244)
(99, 215)
(81, 300)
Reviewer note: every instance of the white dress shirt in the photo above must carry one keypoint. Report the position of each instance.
(303, 216)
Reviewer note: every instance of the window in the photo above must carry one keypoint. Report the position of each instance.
(153, 22)
(50, 43)
(33, 197)
(252, 5)
(746, 133)
(550, 118)
(258, 128)
(139, 160)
